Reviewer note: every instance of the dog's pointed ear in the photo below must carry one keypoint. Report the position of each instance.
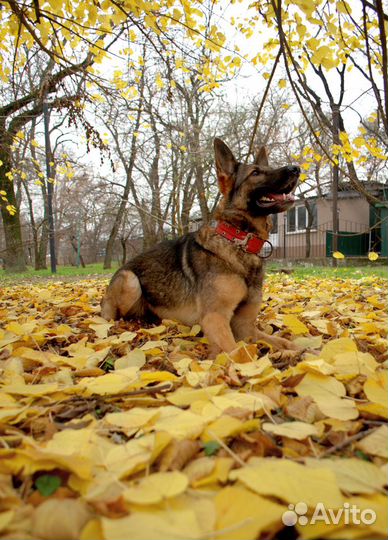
(226, 166)
(262, 157)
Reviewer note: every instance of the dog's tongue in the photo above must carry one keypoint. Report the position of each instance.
(282, 197)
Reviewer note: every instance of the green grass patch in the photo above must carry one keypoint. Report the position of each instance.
(62, 271)
(354, 272)
(298, 271)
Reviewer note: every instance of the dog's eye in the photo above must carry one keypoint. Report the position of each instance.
(255, 173)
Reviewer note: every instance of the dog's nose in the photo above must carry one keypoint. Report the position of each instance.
(293, 169)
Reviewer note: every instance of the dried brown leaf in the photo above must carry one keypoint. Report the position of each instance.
(177, 454)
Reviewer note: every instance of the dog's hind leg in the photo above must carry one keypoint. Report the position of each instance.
(123, 292)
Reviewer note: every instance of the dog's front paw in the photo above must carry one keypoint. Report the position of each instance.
(276, 342)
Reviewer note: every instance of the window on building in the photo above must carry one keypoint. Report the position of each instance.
(298, 218)
(291, 220)
(302, 217)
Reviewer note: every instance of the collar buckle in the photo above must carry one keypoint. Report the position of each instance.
(243, 242)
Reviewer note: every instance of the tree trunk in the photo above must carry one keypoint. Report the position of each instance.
(129, 187)
(14, 260)
(41, 255)
(199, 173)
(73, 242)
(123, 242)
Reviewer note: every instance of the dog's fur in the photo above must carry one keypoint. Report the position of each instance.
(202, 277)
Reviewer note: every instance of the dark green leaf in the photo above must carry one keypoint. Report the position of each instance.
(211, 448)
(47, 484)
(108, 364)
(360, 454)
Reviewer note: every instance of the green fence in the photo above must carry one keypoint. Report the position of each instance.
(349, 243)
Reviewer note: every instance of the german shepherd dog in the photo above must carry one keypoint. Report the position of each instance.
(213, 276)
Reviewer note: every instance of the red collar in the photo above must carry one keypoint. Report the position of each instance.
(247, 240)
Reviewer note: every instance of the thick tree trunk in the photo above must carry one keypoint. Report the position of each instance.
(14, 260)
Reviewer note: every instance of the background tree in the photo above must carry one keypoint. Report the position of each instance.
(321, 44)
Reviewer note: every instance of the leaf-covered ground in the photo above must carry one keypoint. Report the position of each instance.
(125, 431)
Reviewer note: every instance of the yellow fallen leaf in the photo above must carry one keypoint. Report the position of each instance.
(337, 346)
(5, 519)
(354, 363)
(281, 478)
(69, 516)
(92, 531)
(373, 408)
(9, 413)
(378, 529)
(353, 475)
(6, 338)
(155, 525)
(35, 390)
(242, 514)
(375, 443)
(250, 369)
(32, 460)
(219, 473)
(132, 419)
(135, 358)
(151, 346)
(199, 468)
(315, 365)
(179, 424)
(124, 337)
(322, 325)
(244, 353)
(293, 430)
(63, 330)
(254, 401)
(295, 325)
(186, 396)
(224, 428)
(376, 302)
(154, 330)
(156, 376)
(376, 389)
(100, 326)
(369, 328)
(329, 394)
(126, 459)
(111, 383)
(197, 378)
(156, 487)
(221, 428)
(21, 329)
